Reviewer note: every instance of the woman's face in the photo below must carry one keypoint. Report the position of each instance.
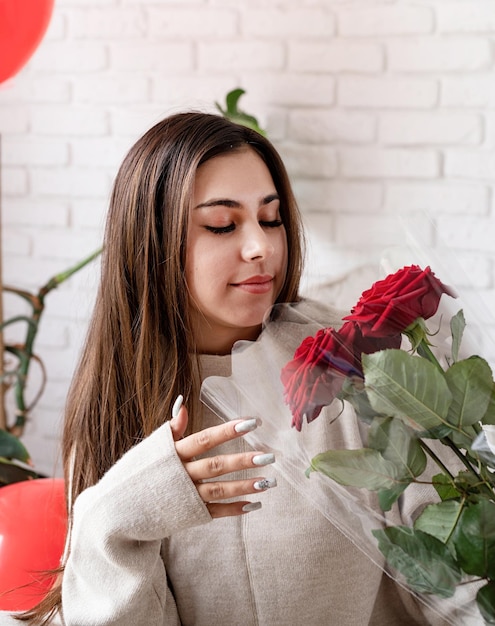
(236, 257)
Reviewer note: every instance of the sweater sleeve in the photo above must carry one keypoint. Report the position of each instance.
(114, 572)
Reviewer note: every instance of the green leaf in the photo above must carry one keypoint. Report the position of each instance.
(233, 113)
(387, 497)
(444, 487)
(407, 387)
(439, 520)
(358, 398)
(12, 448)
(424, 561)
(457, 326)
(357, 468)
(396, 442)
(470, 382)
(474, 539)
(489, 416)
(485, 599)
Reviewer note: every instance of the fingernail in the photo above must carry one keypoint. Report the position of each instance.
(265, 483)
(177, 405)
(246, 426)
(252, 506)
(264, 459)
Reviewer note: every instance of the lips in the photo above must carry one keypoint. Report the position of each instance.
(256, 284)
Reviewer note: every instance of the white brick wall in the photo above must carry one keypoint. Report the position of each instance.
(383, 109)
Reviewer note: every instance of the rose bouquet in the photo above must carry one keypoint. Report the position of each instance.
(400, 458)
(411, 405)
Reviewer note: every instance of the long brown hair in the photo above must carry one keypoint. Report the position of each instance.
(138, 354)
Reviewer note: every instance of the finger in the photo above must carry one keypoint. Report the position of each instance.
(204, 440)
(231, 509)
(214, 466)
(178, 423)
(223, 490)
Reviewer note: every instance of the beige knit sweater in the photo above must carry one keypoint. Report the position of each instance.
(145, 551)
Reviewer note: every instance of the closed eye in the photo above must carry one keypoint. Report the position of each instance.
(220, 230)
(272, 224)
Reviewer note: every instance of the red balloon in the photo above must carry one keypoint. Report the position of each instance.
(22, 26)
(33, 523)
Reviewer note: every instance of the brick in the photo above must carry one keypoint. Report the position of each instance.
(51, 333)
(338, 195)
(288, 21)
(292, 89)
(467, 270)
(446, 197)
(149, 56)
(430, 128)
(28, 272)
(14, 120)
(69, 56)
(132, 123)
(65, 245)
(30, 151)
(468, 91)
(14, 181)
(476, 16)
(68, 182)
(75, 121)
(388, 163)
(100, 152)
(194, 92)
(371, 232)
(475, 165)
(382, 20)
(309, 161)
(329, 126)
(335, 56)
(107, 23)
(197, 22)
(241, 55)
(14, 242)
(35, 212)
(385, 92)
(50, 89)
(88, 214)
(466, 233)
(439, 56)
(123, 88)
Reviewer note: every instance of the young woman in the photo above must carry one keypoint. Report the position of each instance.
(166, 524)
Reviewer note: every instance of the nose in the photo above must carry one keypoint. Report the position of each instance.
(257, 245)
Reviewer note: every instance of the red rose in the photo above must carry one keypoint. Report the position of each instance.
(392, 304)
(315, 375)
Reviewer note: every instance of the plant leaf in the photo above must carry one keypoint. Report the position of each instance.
(444, 487)
(457, 326)
(396, 442)
(470, 382)
(387, 497)
(485, 599)
(474, 539)
(12, 448)
(424, 561)
(407, 387)
(357, 468)
(440, 519)
(489, 416)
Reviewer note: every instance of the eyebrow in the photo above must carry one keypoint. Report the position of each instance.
(233, 204)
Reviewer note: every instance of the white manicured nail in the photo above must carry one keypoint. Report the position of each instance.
(264, 459)
(265, 483)
(177, 405)
(252, 506)
(246, 426)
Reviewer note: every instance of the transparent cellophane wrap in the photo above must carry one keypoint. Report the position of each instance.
(255, 389)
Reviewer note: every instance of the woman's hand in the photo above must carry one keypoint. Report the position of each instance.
(213, 492)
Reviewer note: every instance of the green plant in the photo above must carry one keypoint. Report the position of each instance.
(233, 113)
(14, 457)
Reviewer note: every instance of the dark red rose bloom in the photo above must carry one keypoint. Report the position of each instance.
(321, 363)
(392, 304)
